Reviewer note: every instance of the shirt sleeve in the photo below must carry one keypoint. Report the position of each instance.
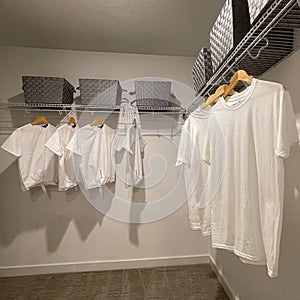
(13, 144)
(74, 145)
(287, 134)
(129, 139)
(272, 211)
(54, 143)
(185, 146)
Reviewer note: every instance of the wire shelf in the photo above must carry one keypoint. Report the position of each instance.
(274, 37)
(84, 108)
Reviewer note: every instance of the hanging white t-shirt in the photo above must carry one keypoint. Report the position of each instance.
(258, 126)
(37, 164)
(57, 144)
(94, 146)
(133, 144)
(195, 170)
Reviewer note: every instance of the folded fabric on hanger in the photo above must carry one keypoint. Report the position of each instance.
(130, 146)
(196, 171)
(57, 143)
(94, 161)
(37, 164)
(258, 126)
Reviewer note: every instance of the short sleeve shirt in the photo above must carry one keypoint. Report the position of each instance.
(258, 128)
(93, 147)
(133, 144)
(195, 170)
(37, 164)
(57, 144)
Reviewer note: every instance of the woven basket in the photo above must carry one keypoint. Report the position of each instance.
(257, 8)
(202, 69)
(230, 27)
(100, 91)
(153, 93)
(47, 90)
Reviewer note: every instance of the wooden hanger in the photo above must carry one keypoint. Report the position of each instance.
(40, 119)
(216, 96)
(72, 121)
(239, 75)
(97, 121)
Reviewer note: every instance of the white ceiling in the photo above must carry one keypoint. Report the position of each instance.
(163, 27)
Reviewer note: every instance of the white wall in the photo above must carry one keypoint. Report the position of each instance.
(251, 282)
(66, 228)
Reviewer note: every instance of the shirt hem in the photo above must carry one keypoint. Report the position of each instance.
(65, 188)
(238, 253)
(27, 188)
(198, 227)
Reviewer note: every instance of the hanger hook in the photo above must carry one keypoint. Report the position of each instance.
(260, 50)
(223, 75)
(65, 110)
(131, 102)
(225, 80)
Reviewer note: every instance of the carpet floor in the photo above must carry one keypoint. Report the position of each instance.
(181, 282)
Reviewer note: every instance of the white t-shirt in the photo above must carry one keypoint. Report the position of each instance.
(258, 127)
(93, 145)
(133, 144)
(37, 164)
(57, 144)
(195, 170)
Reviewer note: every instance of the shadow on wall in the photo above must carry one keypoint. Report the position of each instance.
(24, 211)
(31, 210)
(264, 287)
(138, 196)
(17, 99)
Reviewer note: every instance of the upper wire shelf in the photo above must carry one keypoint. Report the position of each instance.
(85, 108)
(274, 37)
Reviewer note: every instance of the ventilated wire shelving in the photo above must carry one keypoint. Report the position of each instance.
(274, 37)
(84, 108)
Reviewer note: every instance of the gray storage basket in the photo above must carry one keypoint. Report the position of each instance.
(153, 93)
(257, 8)
(39, 89)
(231, 26)
(100, 91)
(202, 69)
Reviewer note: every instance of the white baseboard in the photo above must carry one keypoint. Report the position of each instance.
(102, 265)
(222, 279)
